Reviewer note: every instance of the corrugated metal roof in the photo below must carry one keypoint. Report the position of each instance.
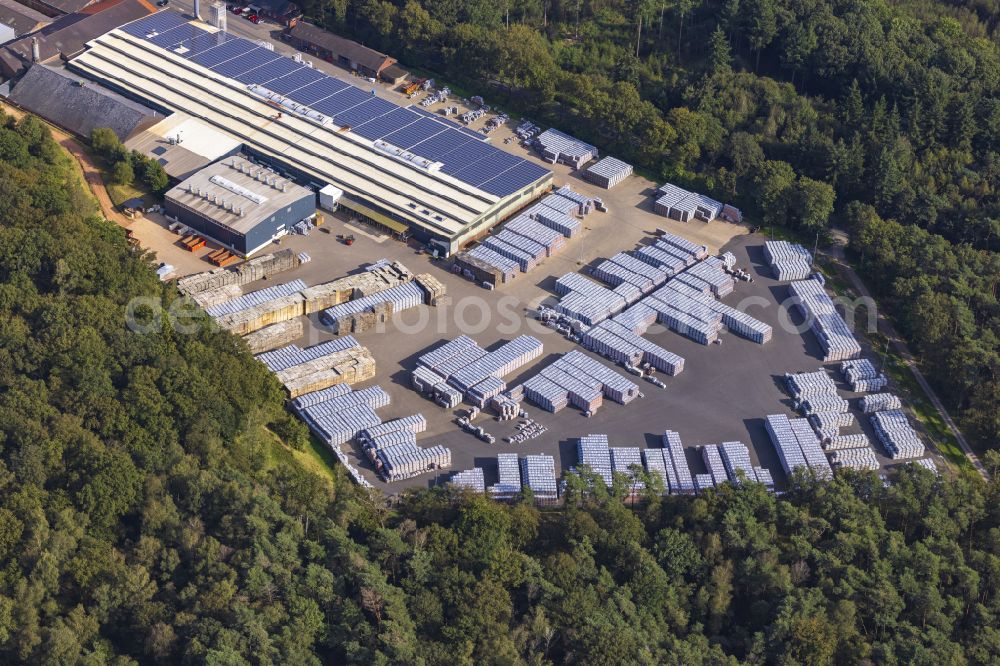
(76, 104)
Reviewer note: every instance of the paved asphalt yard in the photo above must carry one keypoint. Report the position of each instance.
(723, 394)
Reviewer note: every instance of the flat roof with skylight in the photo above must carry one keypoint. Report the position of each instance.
(418, 168)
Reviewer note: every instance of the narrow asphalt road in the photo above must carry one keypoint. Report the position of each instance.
(887, 329)
(91, 173)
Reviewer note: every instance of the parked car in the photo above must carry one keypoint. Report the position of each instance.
(236, 9)
(253, 18)
(163, 3)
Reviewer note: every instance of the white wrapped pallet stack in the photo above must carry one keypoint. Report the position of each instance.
(508, 485)
(852, 441)
(703, 482)
(898, 437)
(674, 453)
(657, 464)
(593, 451)
(472, 479)
(608, 172)
(713, 461)
(736, 458)
(538, 472)
(855, 459)
(879, 402)
(788, 260)
(804, 385)
(622, 460)
(834, 335)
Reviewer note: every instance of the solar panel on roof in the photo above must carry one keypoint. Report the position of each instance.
(314, 92)
(373, 107)
(159, 22)
(413, 134)
(426, 134)
(230, 48)
(464, 155)
(376, 128)
(450, 124)
(269, 73)
(439, 145)
(472, 133)
(252, 60)
(342, 101)
(487, 168)
(291, 76)
(514, 179)
(170, 37)
(199, 43)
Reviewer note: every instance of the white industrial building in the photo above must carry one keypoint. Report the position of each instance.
(399, 167)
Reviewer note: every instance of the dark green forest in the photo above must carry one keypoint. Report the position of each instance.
(149, 514)
(805, 114)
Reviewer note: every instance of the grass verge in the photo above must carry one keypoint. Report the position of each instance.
(895, 367)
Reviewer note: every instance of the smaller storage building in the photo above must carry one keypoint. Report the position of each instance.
(338, 50)
(239, 204)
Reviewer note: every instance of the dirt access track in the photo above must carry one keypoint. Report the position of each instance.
(91, 173)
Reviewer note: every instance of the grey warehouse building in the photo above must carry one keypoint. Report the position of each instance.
(239, 204)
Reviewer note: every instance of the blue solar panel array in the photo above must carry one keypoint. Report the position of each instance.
(463, 152)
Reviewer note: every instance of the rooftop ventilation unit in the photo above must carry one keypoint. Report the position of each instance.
(238, 189)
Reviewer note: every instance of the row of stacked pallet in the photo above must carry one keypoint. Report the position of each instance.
(535, 472)
(832, 332)
(594, 452)
(736, 458)
(550, 239)
(509, 484)
(320, 366)
(252, 312)
(730, 461)
(879, 402)
(336, 415)
(461, 367)
(685, 315)
(254, 298)
(676, 463)
(898, 437)
(859, 458)
(538, 474)
(526, 240)
(713, 462)
(699, 284)
(577, 379)
(472, 479)
(623, 268)
(797, 445)
(258, 268)
(274, 336)
(392, 448)
(608, 172)
(504, 360)
(669, 463)
(388, 302)
(788, 261)
(625, 460)
(815, 394)
(586, 300)
(619, 343)
(862, 376)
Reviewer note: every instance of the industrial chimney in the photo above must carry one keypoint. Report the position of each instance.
(36, 53)
(197, 9)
